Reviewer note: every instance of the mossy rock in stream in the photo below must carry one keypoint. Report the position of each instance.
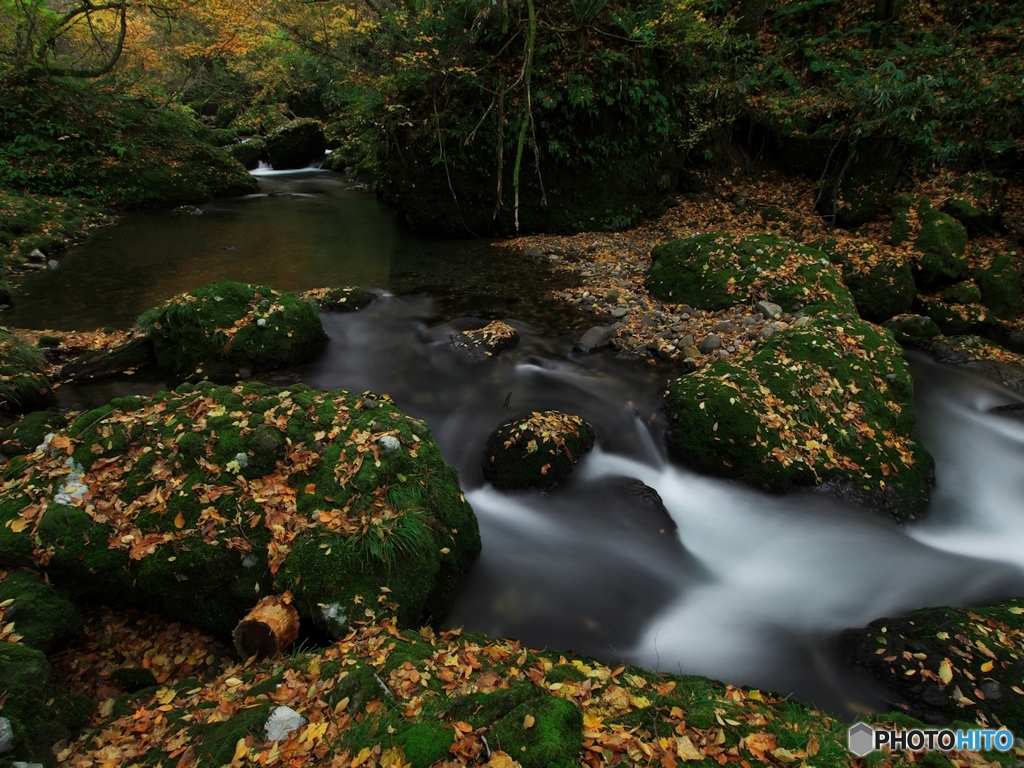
(830, 402)
(202, 501)
(42, 616)
(949, 664)
(911, 331)
(536, 451)
(23, 383)
(882, 286)
(296, 144)
(250, 152)
(346, 299)
(956, 318)
(225, 329)
(717, 271)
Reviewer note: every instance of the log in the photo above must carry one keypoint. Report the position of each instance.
(270, 627)
(137, 353)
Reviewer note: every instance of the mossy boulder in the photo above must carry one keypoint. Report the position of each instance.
(949, 664)
(717, 271)
(481, 343)
(346, 299)
(954, 317)
(536, 451)
(882, 286)
(296, 144)
(999, 283)
(38, 713)
(861, 193)
(196, 504)
(545, 732)
(42, 616)
(259, 119)
(830, 402)
(25, 435)
(250, 152)
(939, 241)
(910, 331)
(978, 201)
(221, 331)
(24, 386)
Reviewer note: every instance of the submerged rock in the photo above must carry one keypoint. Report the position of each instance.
(197, 504)
(949, 664)
(536, 451)
(829, 401)
(717, 271)
(347, 299)
(481, 343)
(24, 386)
(216, 331)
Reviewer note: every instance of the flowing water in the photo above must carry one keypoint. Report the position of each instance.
(632, 558)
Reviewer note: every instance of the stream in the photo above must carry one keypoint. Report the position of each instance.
(631, 559)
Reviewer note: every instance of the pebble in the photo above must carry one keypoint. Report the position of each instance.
(389, 443)
(768, 309)
(283, 721)
(710, 343)
(620, 312)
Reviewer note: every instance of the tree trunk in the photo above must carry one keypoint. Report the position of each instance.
(750, 13)
(267, 629)
(887, 9)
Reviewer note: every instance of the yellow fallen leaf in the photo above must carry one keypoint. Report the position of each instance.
(686, 751)
(1017, 611)
(528, 722)
(19, 524)
(987, 666)
(783, 755)
(592, 722)
(179, 520)
(501, 759)
(945, 671)
(240, 749)
(166, 695)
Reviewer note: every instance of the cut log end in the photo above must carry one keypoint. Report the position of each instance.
(269, 628)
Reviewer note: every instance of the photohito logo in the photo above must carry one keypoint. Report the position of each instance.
(862, 739)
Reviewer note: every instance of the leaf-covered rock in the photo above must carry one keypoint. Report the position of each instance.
(42, 617)
(949, 663)
(198, 503)
(536, 451)
(717, 271)
(910, 331)
(939, 241)
(882, 286)
(482, 343)
(861, 193)
(347, 299)
(227, 328)
(955, 318)
(26, 434)
(829, 402)
(979, 201)
(23, 383)
(999, 283)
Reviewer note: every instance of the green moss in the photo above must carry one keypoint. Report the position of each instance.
(215, 742)
(25, 435)
(966, 292)
(249, 153)
(910, 331)
(553, 741)
(133, 679)
(535, 451)
(956, 319)
(1000, 286)
(42, 616)
(719, 271)
(339, 299)
(861, 193)
(214, 332)
(831, 401)
(940, 243)
(426, 742)
(483, 710)
(881, 287)
(980, 202)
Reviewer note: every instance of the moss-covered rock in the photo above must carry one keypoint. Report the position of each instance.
(42, 616)
(249, 152)
(227, 328)
(197, 504)
(25, 435)
(910, 331)
(965, 292)
(717, 271)
(482, 343)
(39, 714)
(259, 119)
(940, 242)
(347, 299)
(949, 664)
(861, 193)
(882, 286)
(829, 402)
(545, 732)
(296, 144)
(536, 451)
(955, 318)
(999, 283)
(24, 386)
(979, 201)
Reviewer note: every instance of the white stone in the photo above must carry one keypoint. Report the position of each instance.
(242, 459)
(283, 721)
(6, 735)
(390, 443)
(262, 322)
(335, 619)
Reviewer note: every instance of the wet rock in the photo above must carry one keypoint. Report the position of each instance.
(6, 735)
(977, 354)
(768, 309)
(595, 338)
(916, 656)
(249, 153)
(482, 343)
(536, 451)
(1014, 410)
(37, 255)
(710, 343)
(296, 144)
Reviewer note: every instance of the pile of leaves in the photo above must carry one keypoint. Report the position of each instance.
(199, 502)
(950, 664)
(488, 341)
